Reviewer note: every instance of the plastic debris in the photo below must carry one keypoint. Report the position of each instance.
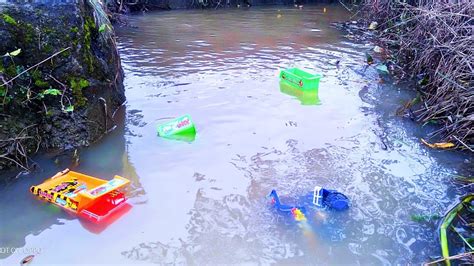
(182, 126)
(275, 201)
(300, 78)
(378, 49)
(306, 97)
(298, 215)
(373, 25)
(440, 145)
(27, 260)
(382, 68)
(89, 197)
(318, 198)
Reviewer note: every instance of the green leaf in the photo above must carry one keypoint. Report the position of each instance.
(8, 99)
(52, 92)
(3, 91)
(369, 58)
(418, 218)
(83, 83)
(15, 53)
(19, 69)
(424, 81)
(421, 218)
(8, 19)
(102, 28)
(69, 109)
(382, 68)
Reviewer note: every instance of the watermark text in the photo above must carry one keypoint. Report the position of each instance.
(23, 250)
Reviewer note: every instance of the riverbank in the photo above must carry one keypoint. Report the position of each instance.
(59, 86)
(433, 44)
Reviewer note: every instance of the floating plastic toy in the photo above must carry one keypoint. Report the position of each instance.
(86, 196)
(319, 198)
(306, 97)
(300, 78)
(181, 128)
(296, 211)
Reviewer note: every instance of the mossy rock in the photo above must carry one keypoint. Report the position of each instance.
(87, 70)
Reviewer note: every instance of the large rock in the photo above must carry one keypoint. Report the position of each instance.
(68, 100)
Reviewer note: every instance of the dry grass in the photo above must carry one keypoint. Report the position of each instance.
(434, 42)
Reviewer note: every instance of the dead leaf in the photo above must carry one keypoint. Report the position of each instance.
(438, 145)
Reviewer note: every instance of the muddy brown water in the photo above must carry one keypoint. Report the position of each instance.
(204, 202)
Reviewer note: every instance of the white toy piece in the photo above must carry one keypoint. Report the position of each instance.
(318, 196)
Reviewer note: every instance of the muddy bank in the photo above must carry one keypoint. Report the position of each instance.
(431, 43)
(60, 78)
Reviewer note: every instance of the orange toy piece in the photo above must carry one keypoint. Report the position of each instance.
(91, 197)
(298, 214)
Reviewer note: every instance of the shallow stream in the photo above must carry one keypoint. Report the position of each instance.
(204, 202)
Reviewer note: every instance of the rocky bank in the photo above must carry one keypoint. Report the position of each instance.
(60, 78)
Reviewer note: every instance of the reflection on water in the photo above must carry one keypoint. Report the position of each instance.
(306, 97)
(204, 202)
(24, 216)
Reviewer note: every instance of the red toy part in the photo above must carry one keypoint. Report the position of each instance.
(104, 206)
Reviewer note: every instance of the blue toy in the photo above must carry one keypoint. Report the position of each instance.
(319, 198)
(298, 212)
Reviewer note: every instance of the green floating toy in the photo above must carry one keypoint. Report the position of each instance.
(306, 97)
(300, 79)
(181, 128)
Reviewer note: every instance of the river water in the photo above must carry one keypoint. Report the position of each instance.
(204, 202)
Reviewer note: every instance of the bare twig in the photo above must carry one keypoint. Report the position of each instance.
(62, 94)
(15, 151)
(28, 69)
(464, 144)
(455, 257)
